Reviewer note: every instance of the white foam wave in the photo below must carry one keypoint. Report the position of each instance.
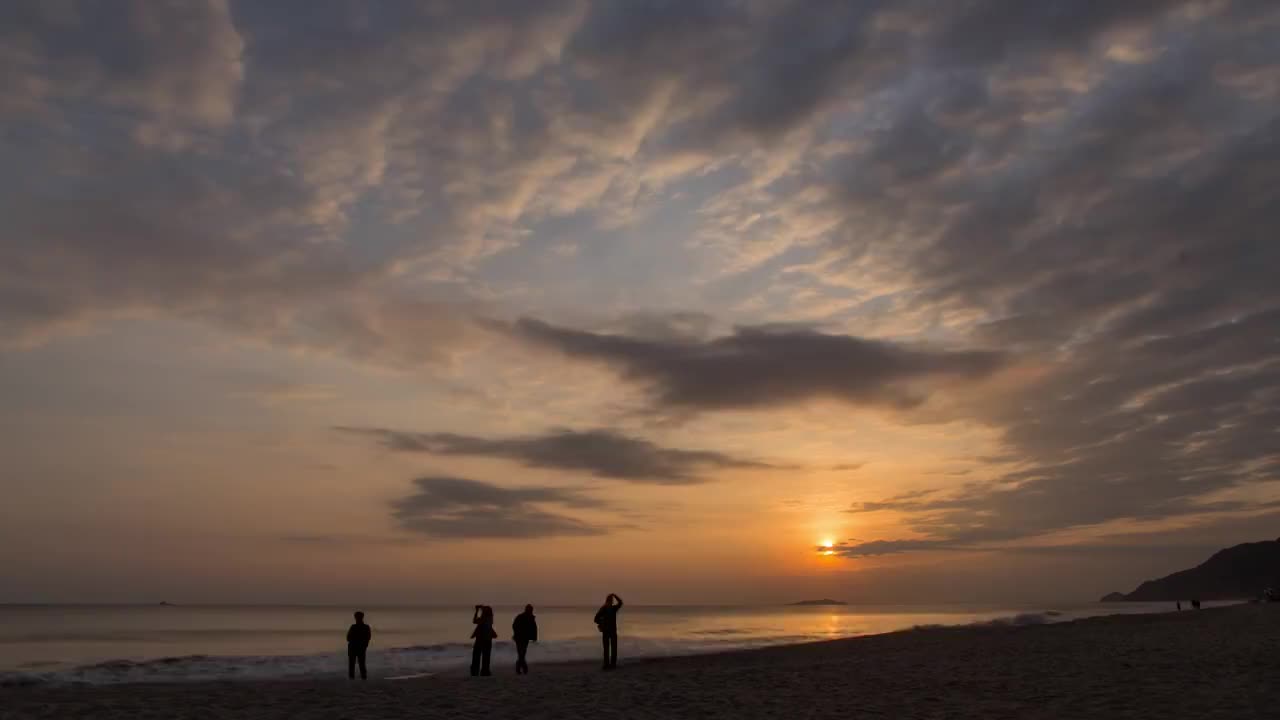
(414, 660)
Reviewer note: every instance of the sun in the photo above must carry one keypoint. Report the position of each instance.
(827, 546)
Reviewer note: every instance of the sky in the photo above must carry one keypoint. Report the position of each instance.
(692, 301)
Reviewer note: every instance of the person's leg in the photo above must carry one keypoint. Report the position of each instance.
(604, 642)
(364, 672)
(351, 666)
(475, 661)
(613, 650)
(484, 660)
(522, 665)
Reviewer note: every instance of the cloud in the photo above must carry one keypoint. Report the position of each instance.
(328, 541)
(236, 253)
(741, 73)
(458, 508)
(1214, 525)
(184, 162)
(848, 467)
(1095, 202)
(603, 453)
(768, 367)
(178, 66)
(874, 548)
(1088, 187)
(668, 326)
(985, 32)
(130, 232)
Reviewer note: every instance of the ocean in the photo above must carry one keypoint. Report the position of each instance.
(159, 643)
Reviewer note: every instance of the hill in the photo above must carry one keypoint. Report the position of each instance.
(823, 601)
(1236, 573)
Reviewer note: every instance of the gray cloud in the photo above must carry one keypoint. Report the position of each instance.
(874, 548)
(765, 367)
(985, 32)
(603, 453)
(678, 326)
(458, 508)
(182, 63)
(182, 161)
(125, 229)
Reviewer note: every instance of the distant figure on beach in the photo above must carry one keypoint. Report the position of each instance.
(358, 637)
(1179, 604)
(484, 635)
(523, 630)
(1195, 604)
(607, 622)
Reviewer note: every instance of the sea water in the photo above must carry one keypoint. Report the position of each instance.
(159, 643)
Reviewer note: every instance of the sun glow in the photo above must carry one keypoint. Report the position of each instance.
(827, 546)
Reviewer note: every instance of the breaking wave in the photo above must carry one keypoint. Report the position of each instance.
(411, 660)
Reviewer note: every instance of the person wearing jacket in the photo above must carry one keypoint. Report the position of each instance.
(524, 629)
(358, 637)
(484, 635)
(607, 623)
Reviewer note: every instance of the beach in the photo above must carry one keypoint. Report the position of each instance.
(1215, 663)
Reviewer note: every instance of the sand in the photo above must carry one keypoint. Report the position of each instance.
(1219, 663)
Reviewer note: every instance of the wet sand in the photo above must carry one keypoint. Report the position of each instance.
(1219, 663)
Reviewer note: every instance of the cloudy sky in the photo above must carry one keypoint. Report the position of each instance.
(451, 301)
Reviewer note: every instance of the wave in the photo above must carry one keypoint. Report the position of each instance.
(1017, 620)
(1022, 619)
(438, 647)
(162, 634)
(411, 660)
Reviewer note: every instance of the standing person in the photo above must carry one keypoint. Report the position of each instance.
(358, 637)
(523, 630)
(484, 635)
(607, 622)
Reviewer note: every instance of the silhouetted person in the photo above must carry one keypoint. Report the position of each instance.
(1195, 604)
(607, 622)
(524, 629)
(358, 637)
(1179, 604)
(484, 635)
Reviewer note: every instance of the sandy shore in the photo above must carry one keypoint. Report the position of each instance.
(1220, 663)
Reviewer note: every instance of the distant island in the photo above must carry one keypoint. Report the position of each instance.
(823, 601)
(1243, 572)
